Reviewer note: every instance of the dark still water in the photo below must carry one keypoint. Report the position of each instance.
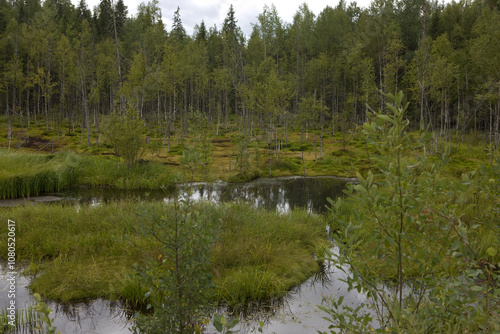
(298, 314)
(281, 194)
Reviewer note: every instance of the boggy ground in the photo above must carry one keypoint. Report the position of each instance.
(77, 253)
(23, 174)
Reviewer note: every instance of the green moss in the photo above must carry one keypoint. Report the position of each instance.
(176, 150)
(287, 164)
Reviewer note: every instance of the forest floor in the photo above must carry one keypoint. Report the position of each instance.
(342, 156)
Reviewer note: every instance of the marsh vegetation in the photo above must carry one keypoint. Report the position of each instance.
(134, 106)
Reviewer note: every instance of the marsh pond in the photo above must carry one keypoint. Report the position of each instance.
(296, 313)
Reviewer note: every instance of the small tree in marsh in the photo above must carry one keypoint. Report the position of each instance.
(388, 201)
(125, 135)
(199, 155)
(409, 248)
(178, 279)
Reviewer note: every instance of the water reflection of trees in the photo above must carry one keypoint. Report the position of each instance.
(88, 316)
(281, 195)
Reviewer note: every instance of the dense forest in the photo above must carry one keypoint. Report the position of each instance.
(69, 67)
(414, 84)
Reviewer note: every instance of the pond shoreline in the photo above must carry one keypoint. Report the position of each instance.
(54, 196)
(280, 193)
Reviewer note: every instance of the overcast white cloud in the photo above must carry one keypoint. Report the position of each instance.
(213, 12)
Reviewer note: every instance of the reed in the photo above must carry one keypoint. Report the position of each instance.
(105, 172)
(27, 321)
(28, 174)
(25, 174)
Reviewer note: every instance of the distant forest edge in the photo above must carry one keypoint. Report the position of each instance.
(68, 67)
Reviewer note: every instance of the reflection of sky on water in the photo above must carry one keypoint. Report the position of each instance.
(282, 195)
(99, 316)
(297, 314)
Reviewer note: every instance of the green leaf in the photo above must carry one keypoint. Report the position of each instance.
(324, 309)
(399, 97)
(360, 188)
(394, 110)
(476, 288)
(390, 240)
(491, 251)
(233, 322)
(217, 323)
(386, 118)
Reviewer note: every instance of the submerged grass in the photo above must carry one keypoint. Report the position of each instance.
(26, 321)
(84, 252)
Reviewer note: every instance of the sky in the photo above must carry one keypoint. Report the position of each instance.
(213, 12)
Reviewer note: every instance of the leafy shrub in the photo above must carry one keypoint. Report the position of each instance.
(125, 135)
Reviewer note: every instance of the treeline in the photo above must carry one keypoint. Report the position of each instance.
(70, 66)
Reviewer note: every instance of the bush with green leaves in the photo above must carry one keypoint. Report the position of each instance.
(423, 249)
(43, 311)
(178, 277)
(125, 135)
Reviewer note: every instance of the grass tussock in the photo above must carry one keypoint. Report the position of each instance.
(105, 172)
(77, 253)
(262, 254)
(25, 174)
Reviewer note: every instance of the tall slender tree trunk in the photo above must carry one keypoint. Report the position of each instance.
(118, 62)
(297, 77)
(9, 123)
(491, 133)
(28, 107)
(497, 121)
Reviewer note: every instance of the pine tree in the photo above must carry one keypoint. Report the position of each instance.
(178, 32)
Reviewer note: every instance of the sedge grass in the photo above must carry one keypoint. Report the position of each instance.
(24, 174)
(105, 172)
(26, 321)
(27, 174)
(87, 252)
(262, 254)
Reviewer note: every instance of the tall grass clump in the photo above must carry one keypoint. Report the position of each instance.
(27, 321)
(105, 172)
(76, 253)
(25, 174)
(261, 255)
(82, 252)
